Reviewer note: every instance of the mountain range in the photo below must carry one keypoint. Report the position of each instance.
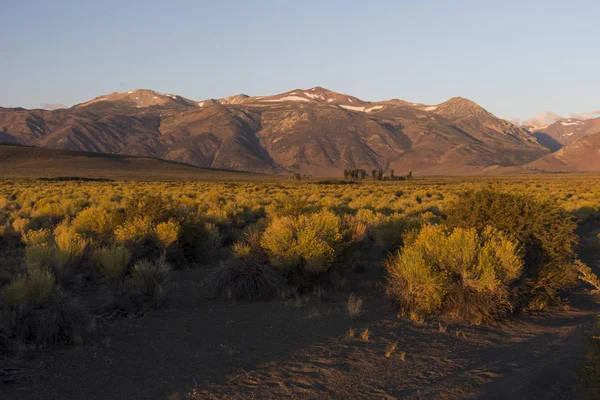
(314, 131)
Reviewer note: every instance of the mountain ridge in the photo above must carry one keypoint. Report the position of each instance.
(314, 131)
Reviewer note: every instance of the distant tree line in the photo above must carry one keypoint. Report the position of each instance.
(355, 174)
(376, 175)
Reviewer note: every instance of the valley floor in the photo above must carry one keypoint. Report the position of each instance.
(205, 349)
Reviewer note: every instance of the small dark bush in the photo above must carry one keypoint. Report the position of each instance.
(57, 320)
(546, 233)
(245, 280)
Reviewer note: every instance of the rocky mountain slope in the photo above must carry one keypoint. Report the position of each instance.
(565, 131)
(314, 131)
(581, 155)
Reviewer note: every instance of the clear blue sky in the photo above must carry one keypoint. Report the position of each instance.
(516, 58)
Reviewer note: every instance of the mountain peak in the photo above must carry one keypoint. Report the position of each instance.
(141, 98)
(459, 107)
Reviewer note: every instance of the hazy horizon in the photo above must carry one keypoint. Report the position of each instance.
(516, 59)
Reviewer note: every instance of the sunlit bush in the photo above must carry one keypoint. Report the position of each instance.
(308, 242)
(458, 273)
(546, 232)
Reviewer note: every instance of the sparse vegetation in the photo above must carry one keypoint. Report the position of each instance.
(457, 251)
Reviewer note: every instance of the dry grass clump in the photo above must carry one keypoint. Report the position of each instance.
(354, 306)
(245, 280)
(365, 334)
(458, 273)
(390, 349)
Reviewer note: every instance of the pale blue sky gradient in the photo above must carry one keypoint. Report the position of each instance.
(515, 58)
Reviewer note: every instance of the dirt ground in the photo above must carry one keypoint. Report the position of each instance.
(210, 349)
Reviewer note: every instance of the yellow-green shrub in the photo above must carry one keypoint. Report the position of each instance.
(167, 233)
(308, 242)
(134, 231)
(455, 272)
(36, 284)
(112, 261)
(39, 256)
(38, 237)
(94, 221)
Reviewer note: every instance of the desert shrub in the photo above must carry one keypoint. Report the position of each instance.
(167, 233)
(388, 234)
(151, 280)
(38, 237)
(68, 252)
(21, 225)
(546, 232)
(94, 221)
(249, 247)
(112, 261)
(154, 207)
(307, 243)
(288, 206)
(69, 242)
(458, 272)
(36, 284)
(134, 231)
(39, 256)
(245, 280)
(55, 319)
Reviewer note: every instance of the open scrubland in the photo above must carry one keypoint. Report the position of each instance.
(425, 288)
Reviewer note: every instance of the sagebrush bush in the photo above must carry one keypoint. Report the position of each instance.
(70, 244)
(38, 237)
(388, 233)
(134, 231)
(245, 280)
(53, 320)
(151, 280)
(167, 233)
(112, 261)
(308, 243)
(39, 256)
(94, 221)
(36, 284)
(458, 272)
(546, 232)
